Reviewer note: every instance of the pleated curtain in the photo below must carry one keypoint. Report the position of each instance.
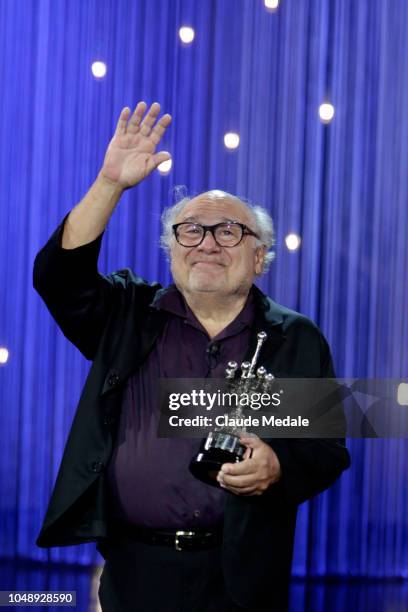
(342, 187)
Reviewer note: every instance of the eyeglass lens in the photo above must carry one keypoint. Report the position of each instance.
(226, 234)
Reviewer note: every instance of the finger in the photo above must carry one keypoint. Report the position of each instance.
(252, 441)
(246, 491)
(161, 157)
(247, 466)
(238, 482)
(154, 160)
(150, 119)
(134, 123)
(247, 453)
(160, 128)
(123, 117)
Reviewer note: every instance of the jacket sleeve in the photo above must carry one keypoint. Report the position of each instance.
(77, 296)
(309, 466)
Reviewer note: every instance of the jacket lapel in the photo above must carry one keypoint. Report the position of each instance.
(268, 318)
(137, 342)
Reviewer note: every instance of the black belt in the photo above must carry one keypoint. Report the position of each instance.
(179, 539)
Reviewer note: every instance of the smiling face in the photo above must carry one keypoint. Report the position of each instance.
(209, 267)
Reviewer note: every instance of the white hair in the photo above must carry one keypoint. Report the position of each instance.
(262, 223)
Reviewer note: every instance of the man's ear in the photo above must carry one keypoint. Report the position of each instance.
(260, 253)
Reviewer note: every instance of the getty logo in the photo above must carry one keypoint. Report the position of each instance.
(402, 396)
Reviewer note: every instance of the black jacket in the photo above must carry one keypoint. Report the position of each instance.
(109, 319)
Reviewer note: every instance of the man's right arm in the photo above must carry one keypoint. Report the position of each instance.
(65, 270)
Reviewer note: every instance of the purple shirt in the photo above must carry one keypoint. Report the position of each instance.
(149, 478)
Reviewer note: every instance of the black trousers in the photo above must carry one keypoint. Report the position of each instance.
(140, 577)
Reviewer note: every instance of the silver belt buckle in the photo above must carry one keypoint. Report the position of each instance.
(181, 533)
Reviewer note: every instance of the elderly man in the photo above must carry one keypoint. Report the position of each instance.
(121, 485)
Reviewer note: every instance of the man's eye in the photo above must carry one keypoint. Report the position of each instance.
(228, 231)
(191, 230)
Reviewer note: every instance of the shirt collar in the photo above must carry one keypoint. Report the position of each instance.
(172, 301)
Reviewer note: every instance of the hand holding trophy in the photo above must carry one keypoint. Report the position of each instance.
(223, 445)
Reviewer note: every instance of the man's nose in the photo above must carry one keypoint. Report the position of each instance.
(209, 243)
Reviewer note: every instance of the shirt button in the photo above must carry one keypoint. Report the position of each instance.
(113, 380)
(196, 513)
(97, 466)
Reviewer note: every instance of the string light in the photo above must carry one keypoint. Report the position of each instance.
(99, 69)
(271, 5)
(4, 355)
(231, 140)
(165, 167)
(326, 112)
(402, 394)
(186, 34)
(292, 242)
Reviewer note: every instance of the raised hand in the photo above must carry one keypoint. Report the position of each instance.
(131, 155)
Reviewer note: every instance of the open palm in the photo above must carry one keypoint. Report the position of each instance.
(131, 155)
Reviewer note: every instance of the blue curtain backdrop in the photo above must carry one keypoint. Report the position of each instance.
(342, 187)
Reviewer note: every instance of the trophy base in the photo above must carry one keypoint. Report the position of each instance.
(217, 449)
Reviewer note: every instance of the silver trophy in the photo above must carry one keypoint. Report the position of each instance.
(223, 445)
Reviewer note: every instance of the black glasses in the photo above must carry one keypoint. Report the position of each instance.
(228, 234)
